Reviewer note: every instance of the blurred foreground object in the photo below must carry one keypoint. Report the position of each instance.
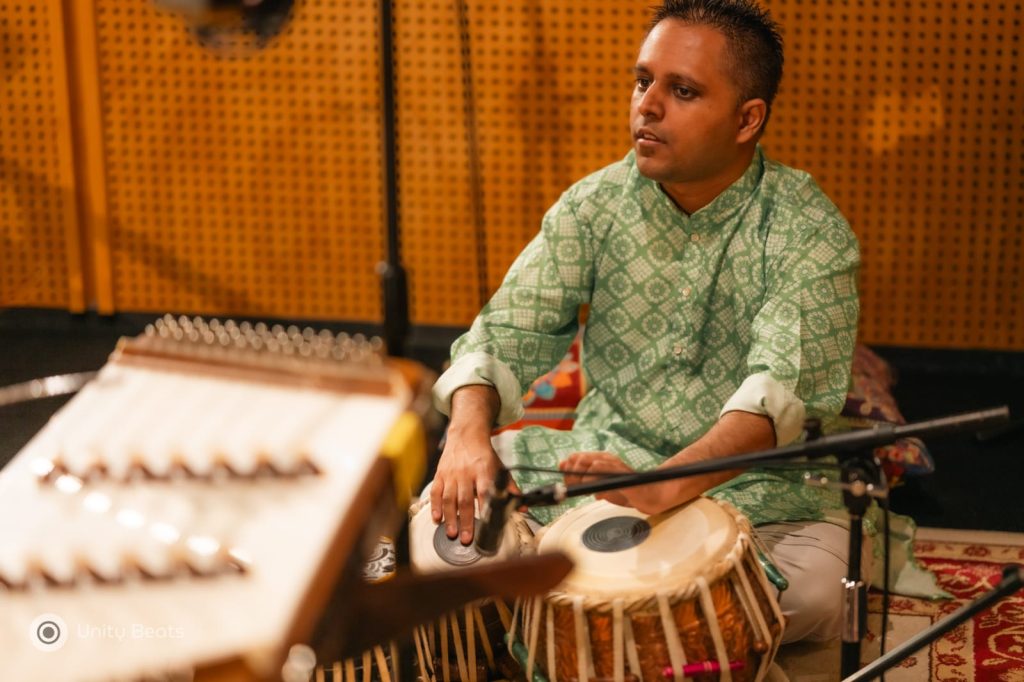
(194, 509)
(219, 23)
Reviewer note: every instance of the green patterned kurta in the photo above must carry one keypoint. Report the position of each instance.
(759, 283)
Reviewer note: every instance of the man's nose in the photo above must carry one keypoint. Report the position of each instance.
(650, 104)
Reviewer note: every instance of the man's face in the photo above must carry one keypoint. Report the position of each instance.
(685, 110)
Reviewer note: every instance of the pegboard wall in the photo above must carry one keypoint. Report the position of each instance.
(521, 99)
(251, 184)
(907, 113)
(239, 182)
(39, 250)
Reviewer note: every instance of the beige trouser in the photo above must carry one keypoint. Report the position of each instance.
(812, 556)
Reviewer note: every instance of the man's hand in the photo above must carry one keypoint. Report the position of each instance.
(468, 464)
(734, 433)
(466, 471)
(652, 498)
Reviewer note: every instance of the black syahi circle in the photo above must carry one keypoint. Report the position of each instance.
(616, 534)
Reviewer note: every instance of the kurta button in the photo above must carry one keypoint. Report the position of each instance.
(694, 237)
(686, 292)
(677, 349)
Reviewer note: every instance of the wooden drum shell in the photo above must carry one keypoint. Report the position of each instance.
(746, 617)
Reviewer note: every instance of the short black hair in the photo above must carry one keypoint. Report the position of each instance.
(754, 40)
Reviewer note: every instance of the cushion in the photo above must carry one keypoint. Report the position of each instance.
(870, 402)
(551, 401)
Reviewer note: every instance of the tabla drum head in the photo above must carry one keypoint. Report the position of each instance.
(619, 551)
(616, 534)
(452, 551)
(431, 550)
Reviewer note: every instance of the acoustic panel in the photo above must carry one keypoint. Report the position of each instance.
(502, 106)
(241, 181)
(439, 201)
(251, 184)
(907, 114)
(39, 252)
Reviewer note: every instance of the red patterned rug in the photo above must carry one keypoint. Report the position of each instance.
(989, 648)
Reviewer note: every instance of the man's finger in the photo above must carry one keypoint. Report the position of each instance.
(466, 514)
(451, 515)
(436, 490)
(615, 497)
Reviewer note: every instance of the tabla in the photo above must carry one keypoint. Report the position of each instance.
(467, 644)
(649, 593)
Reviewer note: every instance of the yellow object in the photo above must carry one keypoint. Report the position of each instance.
(406, 447)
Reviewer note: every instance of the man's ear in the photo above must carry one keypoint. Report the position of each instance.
(753, 113)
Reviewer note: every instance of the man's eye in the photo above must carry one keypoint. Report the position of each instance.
(643, 83)
(683, 92)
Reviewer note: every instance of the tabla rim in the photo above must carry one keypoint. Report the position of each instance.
(643, 600)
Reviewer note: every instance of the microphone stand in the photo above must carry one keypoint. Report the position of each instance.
(859, 480)
(391, 272)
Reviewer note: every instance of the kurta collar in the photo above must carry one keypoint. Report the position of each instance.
(722, 206)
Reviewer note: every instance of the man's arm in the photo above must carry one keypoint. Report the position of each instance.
(734, 433)
(468, 464)
(520, 334)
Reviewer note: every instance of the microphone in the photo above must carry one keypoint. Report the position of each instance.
(495, 514)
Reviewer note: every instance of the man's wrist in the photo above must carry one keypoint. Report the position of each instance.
(470, 430)
(474, 410)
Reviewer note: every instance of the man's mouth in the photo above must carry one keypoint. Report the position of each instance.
(645, 135)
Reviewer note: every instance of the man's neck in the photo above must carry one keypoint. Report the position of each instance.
(690, 197)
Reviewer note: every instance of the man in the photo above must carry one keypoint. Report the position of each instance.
(723, 309)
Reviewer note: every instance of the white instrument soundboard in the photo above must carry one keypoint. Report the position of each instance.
(183, 511)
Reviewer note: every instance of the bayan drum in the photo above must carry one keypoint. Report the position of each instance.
(652, 598)
(448, 648)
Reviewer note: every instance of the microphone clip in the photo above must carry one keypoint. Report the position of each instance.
(494, 516)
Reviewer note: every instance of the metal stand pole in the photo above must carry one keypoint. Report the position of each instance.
(858, 473)
(393, 280)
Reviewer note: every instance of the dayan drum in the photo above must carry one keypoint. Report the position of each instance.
(652, 598)
(467, 644)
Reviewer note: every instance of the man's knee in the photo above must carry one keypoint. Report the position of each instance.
(813, 604)
(812, 556)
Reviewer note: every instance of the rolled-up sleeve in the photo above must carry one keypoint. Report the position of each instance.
(481, 369)
(762, 394)
(804, 333)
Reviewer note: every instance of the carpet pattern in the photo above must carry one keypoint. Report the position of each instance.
(988, 648)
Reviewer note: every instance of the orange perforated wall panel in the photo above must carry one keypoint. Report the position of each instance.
(239, 181)
(252, 184)
(524, 99)
(40, 257)
(907, 113)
